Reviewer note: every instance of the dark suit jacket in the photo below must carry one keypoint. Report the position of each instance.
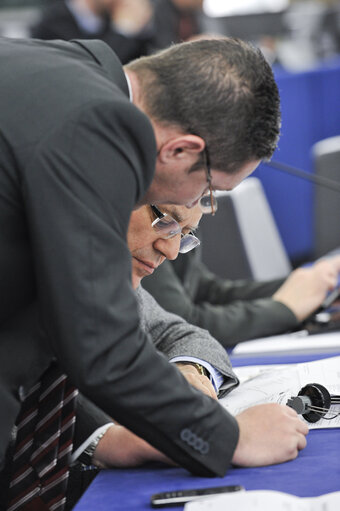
(58, 22)
(232, 311)
(75, 157)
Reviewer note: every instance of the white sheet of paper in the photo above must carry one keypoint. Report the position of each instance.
(266, 500)
(245, 373)
(297, 342)
(277, 383)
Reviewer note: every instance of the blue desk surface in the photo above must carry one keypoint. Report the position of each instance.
(316, 471)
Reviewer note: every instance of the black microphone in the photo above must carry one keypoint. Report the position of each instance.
(303, 174)
(313, 402)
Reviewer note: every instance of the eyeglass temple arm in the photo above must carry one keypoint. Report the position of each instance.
(158, 213)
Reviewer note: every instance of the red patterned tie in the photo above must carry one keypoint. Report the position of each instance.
(43, 446)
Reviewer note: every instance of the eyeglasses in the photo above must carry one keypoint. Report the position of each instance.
(208, 203)
(168, 227)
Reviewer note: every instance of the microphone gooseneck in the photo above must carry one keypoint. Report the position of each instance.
(303, 174)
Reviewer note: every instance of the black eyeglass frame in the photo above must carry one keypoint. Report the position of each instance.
(209, 178)
(185, 238)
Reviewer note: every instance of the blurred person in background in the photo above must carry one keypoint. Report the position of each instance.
(176, 21)
(123, 24)
(132, 28)
(327, 38)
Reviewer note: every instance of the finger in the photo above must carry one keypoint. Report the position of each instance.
(302, 442)
(189, 369)
(208, 386)
(210, 389)
(206, 380)
(302, 427)
(290, 411)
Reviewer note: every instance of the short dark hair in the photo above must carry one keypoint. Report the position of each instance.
(220, 89)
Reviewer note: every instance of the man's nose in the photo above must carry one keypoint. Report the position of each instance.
(169, 247)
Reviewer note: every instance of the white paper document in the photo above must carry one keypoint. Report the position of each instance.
(265, 500)
(296, 342)
(277, 383)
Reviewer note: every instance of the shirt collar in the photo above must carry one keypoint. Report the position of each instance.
(129, 87)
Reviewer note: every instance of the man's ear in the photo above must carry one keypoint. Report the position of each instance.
(180, 148)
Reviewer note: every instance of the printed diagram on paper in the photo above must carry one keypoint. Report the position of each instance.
(277, 383)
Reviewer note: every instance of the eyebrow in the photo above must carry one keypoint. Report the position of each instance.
(179, 218)
(175, 215)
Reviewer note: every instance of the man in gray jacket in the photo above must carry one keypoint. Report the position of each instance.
(236, 311)
(199, 357)
(192, 348)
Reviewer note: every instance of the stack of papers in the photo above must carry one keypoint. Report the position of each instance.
(263, 500)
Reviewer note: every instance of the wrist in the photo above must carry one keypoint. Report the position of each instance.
(90, 454)
(199, 368)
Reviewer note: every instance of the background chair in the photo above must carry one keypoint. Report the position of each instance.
(326, 157)
(242, 240)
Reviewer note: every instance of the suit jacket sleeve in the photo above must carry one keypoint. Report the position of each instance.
(175, 337)
(232, 311)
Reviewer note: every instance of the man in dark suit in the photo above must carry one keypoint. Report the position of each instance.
(180, 342)
(76, 157)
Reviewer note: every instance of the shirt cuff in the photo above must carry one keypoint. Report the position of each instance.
(216, 377)
(89, 440)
